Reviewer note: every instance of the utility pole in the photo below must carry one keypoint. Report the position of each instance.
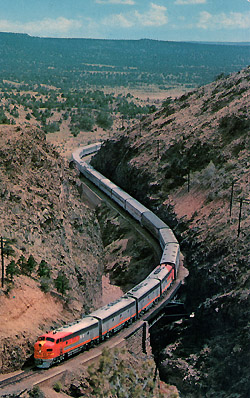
(231, 199)
(2, 258)
(242, 200)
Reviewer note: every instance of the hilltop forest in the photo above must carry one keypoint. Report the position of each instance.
(80, 63)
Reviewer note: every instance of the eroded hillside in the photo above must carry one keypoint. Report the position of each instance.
(188, 162)
(43, 216)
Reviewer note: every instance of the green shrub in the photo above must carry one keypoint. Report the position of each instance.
(57, 386)
(45, 285)
(36, 393)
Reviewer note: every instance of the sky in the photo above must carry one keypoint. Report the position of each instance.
(174, 20)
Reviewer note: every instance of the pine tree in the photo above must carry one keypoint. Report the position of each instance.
(11, 270)
(44, 269)
(62, 283)
(30, 265)
(7, 248)
(22, 264)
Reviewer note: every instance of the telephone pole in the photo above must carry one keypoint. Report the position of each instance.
(2, 258)
(242, 200)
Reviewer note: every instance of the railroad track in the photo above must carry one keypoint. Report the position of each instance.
(17, 379)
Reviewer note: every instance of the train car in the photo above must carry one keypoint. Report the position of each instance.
(171, 255)
(119, 196)
(91, 174)
(114, 316)
(76, 155)
(87, 150)
(135, 208)
(107, 186)
(152, 223)
(166, 236)
(79, 153)
(165, 274)
(54, 346)
(145, 294)
(82, 166)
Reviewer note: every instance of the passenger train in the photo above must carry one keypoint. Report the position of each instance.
(57, 345)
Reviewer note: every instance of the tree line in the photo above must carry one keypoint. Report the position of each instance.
(30, 267)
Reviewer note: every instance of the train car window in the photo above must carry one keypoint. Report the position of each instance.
(57, 341)
(50, 339)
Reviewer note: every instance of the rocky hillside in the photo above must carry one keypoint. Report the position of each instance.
(189, 162)
(42, 215)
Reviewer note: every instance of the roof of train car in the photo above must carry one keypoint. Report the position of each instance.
(170, 253)
(92, 147)
(167, 235)
(117, 190)
(73, 327)
(153, 219)
(143, 287)
(111, 308)
(137, 205)
(95, 173)
(160, 271)
(108, 183)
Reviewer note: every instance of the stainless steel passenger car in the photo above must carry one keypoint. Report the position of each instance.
(135, 208)
(93, 175)
(107, 186)
(153, 223)
(171, 255)
(166, 236)
(79, 153)
(119, 196)
(87, 150)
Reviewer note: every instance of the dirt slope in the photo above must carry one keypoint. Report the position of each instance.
(41, 209)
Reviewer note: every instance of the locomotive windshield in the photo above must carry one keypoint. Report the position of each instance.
(50, 339)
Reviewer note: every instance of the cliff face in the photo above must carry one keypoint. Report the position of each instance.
(42, 213)
(189, 163)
